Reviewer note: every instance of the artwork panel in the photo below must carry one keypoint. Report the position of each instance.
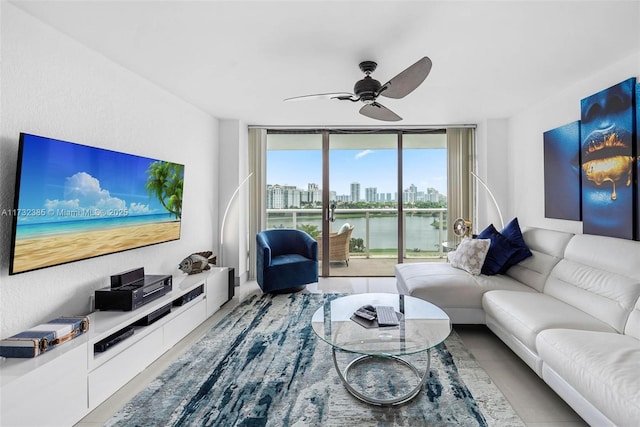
(606, 150)
(562, 172)
(637, 173)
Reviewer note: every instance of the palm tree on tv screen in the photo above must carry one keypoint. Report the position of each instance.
(165, 181)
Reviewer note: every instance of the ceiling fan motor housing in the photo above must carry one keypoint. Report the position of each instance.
(367, 89)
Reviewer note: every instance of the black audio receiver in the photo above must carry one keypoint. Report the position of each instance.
(134, 295)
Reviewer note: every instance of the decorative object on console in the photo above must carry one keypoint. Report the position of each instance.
(561, 172)
(607, 161)
(44, 337)
(197, 262)
(486, 187)
(70, 199)
(470, 255)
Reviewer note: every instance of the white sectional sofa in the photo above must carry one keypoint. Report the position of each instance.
(571, 311)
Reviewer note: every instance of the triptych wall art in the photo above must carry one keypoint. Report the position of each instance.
(591, 165)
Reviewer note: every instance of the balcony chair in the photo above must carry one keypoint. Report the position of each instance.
(338, 244)
(286, 260)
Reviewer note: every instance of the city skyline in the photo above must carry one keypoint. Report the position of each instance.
(289, 196)
(424, 168)
(362, 195)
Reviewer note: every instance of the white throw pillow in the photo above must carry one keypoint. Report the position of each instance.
(470, 255)
(344, 228)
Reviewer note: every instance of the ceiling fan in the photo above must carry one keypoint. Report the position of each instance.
(368, 89)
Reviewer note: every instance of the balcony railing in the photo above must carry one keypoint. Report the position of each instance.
(425, 226)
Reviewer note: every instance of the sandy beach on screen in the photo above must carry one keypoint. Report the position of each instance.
(62, 248)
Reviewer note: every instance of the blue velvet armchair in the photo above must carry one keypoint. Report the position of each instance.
(287, 259)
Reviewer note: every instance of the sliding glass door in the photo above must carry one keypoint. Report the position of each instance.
(363, 176)
(372, 199)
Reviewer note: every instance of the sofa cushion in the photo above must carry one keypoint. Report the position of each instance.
(449, 287)
(600, 276)
(547, 247)
(550, 242)
(500, 251)
(632, 327)
(602, 367)
(524, 315)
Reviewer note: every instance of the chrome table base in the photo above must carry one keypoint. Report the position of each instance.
(396, 400)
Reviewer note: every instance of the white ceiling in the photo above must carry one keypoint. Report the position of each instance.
(240, 59)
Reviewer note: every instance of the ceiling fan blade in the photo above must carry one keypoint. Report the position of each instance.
(407, 81)
(336, 95)
(379, 112)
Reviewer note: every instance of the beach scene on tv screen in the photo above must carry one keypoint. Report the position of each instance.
(78, 202)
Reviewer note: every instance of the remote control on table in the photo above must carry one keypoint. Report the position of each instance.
(365, 314)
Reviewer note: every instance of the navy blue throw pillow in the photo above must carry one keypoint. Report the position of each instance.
(500, 251)
(512, 232)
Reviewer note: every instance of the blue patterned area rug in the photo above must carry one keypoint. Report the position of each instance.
(263, 365)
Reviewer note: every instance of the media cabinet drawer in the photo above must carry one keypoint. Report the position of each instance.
(54, 394)
(117, 371)
(185, 322)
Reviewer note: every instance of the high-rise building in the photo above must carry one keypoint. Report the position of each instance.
(371, 194)
(275, 197)
(355, 191)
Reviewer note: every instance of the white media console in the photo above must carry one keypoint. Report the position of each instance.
(64, 384)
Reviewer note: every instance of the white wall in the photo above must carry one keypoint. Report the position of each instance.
(234, 166)
(53, 86)
(525, 149)
(492, 168)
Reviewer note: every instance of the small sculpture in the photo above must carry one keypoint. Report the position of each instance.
(197, 262)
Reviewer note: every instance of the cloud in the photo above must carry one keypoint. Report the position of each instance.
(83, 191)
(362, 154)
(138, 208)
(62, 204)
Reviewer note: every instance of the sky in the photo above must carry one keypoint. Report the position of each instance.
(58, 176)
(426, 168)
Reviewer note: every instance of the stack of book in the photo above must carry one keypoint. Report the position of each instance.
(44, 337)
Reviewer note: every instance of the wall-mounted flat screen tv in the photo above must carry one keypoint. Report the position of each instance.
(74, 202)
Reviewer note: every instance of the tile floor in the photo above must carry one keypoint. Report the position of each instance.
(532, 399)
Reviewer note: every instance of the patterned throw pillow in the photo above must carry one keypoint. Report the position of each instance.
(470, 255)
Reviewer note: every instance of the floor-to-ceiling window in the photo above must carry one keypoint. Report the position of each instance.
(424, 201)
(363, 184)
(386, 189)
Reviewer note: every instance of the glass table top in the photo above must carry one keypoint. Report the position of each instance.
(422, 326)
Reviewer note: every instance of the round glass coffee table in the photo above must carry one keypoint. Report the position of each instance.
(422, 326)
